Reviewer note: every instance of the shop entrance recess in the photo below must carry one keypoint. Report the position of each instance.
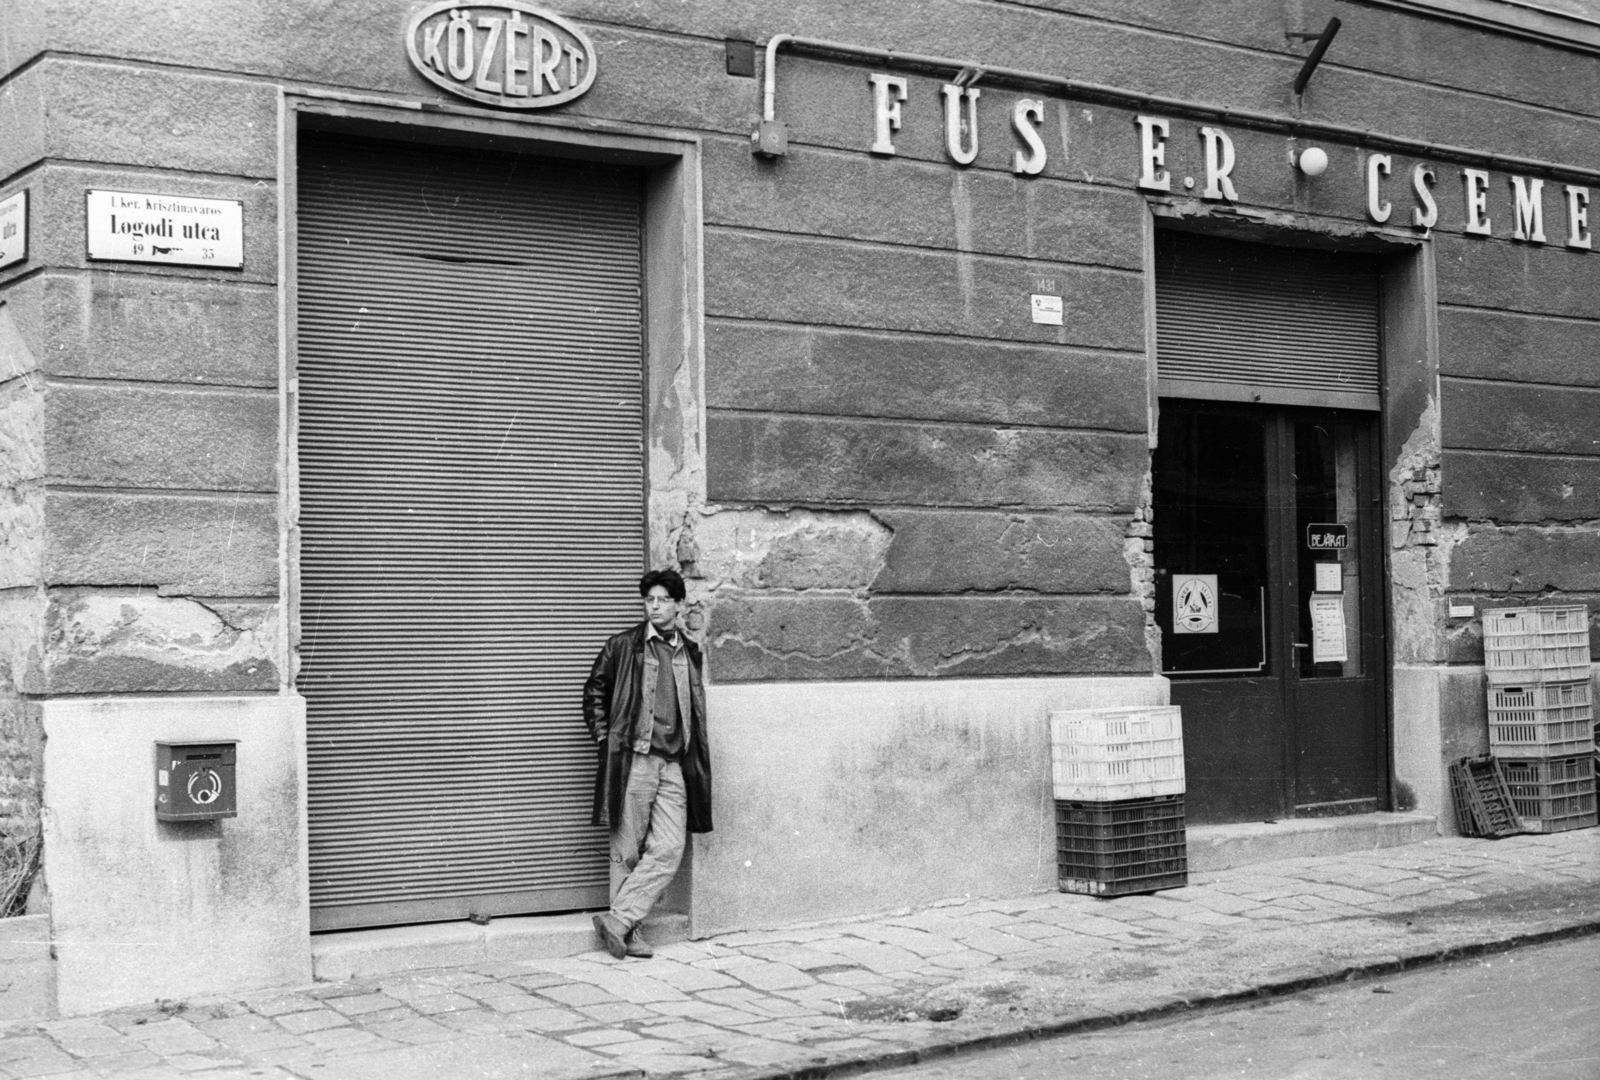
(470, 456)
(1267, 531)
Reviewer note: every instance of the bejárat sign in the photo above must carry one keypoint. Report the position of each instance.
(506, 53)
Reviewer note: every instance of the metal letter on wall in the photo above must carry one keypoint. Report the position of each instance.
(505, 53)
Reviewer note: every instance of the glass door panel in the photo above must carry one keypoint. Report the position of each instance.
(1328, 535)
(1211, 545)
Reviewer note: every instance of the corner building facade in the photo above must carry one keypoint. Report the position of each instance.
(970, 362)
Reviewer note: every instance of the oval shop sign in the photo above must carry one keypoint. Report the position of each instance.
(506, 53)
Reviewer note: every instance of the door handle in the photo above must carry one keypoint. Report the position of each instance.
(1301, 645)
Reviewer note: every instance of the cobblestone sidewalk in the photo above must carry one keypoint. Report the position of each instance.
(800, 1002)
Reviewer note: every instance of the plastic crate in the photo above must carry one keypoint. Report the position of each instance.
(1552, 794)
(1482, 800)
(1116, 754)
(1100, 727)
(1122, 846)
(1541, 720)
(1536, 644)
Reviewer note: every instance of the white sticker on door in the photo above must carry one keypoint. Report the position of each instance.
(1194, 603)
(1327, 629)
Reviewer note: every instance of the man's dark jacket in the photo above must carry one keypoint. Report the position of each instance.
(612, 698)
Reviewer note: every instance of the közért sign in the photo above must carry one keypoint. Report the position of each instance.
(506, 53)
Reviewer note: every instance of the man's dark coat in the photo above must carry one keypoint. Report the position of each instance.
(612, 698)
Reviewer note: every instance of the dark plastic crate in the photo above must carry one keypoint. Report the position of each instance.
(1552, 794)
(1121, 847)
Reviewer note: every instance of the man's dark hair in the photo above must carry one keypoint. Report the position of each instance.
(669, 580)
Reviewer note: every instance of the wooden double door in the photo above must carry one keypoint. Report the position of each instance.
(1270, 601)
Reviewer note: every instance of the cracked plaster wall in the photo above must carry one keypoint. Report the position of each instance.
(804, 593)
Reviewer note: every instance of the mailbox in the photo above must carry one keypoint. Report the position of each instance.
(195, 781)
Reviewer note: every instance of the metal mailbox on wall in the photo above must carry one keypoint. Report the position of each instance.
(195, 781)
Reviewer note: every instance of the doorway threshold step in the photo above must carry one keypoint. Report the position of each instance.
(1222, 847)
(388, 950)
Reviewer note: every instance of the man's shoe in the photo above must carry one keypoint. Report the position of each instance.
(613, 933)
(638, 946)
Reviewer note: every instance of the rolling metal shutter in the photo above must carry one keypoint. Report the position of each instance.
(471, 497)
(1249, 322)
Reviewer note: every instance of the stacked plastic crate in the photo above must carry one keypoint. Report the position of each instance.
(1118, 777)
(1541, 717)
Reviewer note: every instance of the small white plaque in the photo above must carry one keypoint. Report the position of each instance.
(1046, 309)
(13, 229)
(1461, 611)
(1194, 603)
(173, 229)
(1330, 577)
(1327, 629)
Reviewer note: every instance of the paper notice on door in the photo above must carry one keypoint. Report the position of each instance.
(1330, 577)
(1327, 629)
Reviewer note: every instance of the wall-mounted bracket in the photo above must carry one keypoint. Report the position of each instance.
(1324, 39)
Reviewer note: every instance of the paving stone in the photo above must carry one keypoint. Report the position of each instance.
(343, 1040)
(681, 1031)
(414, 1030)
(442, 1003)
(764, 975)
(302, 1023)
(577, 994)
(503, 970)
(643, 1047)
(478, 1021)
(965, 960)
(534, 980)
(601, 1037)
(706, 1011)
(618, 1012)
(685, 977)
(836, 1046)
(282, 1004)
(127, 1061)
(751, 1051)
(453, 977)
(553, 1020)
(43, 1061)
(873, 955)
(762, 1004)
(355, 988)
(192, 1063)
(639, 989)
(778, 1030)
(667, 1064)
(360, 1004)
(919, 942)
(249, 1034)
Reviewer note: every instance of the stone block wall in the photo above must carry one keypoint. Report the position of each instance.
(138, 412)
(1520, 396)
(906, 475)
(151, 391)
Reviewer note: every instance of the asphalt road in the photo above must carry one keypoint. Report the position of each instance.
(1530, 1014)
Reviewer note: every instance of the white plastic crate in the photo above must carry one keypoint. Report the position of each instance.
(1536, 644)
(1128, 753)
(1099, 727)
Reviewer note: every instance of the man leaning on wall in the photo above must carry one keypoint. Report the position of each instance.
(645, 704)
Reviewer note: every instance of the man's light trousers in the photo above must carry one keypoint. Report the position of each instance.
(647, 844)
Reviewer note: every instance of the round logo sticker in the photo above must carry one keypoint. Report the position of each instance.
(1194, 604)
